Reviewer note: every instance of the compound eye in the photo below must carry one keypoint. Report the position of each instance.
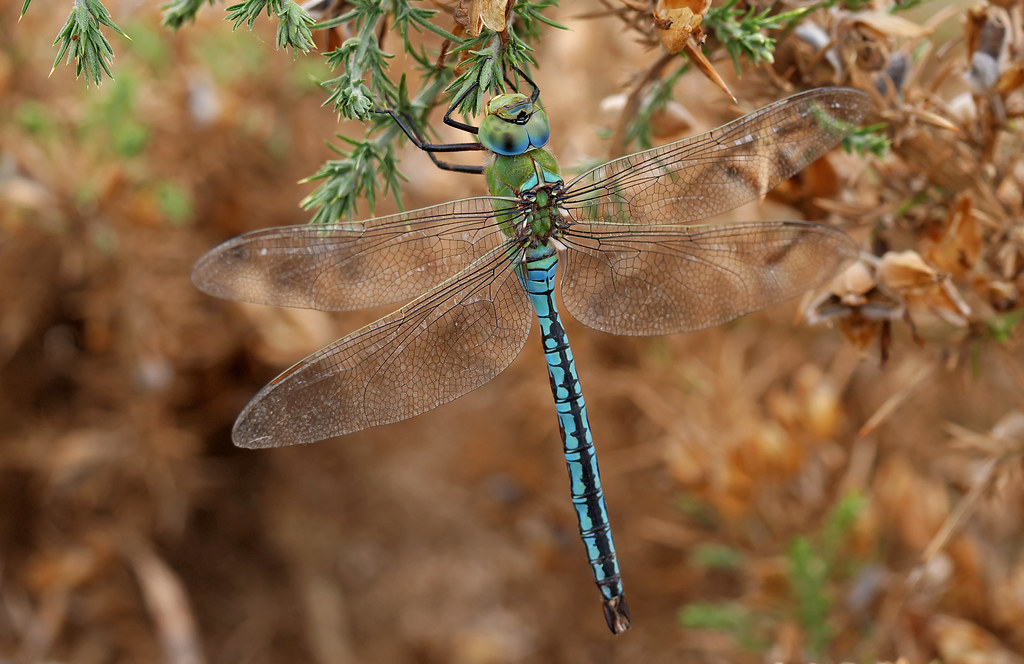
(503, 137)
(538, 128)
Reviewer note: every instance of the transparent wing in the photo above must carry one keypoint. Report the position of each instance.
(639, 270)
(440, 346)
(668, 279)
(351, 266)
(700, 177)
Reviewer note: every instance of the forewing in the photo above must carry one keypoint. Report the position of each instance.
(700, 177)
(662, 280)
(354, 265)
(440, 346)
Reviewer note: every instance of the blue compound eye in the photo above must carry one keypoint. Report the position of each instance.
(538, 128)
(503, 137)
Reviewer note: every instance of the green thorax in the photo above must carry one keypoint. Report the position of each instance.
(516, 175)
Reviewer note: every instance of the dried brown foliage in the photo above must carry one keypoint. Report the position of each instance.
(130, 529)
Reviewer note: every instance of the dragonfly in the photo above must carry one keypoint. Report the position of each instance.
(638, 256)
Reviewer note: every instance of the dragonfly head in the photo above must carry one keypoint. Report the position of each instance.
(514, 124)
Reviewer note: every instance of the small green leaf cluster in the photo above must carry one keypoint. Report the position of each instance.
(815, 562)
(82, 40)
(363, 80)
(1001, 327)
(902, 5)
(359, 169)
(871, 139)
(745, 625)
(179, 12)
(293, 22)
(742, 32)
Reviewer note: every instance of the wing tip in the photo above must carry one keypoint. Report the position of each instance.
(200, 275)
(847, 104)
(213, 272)
(248, 433)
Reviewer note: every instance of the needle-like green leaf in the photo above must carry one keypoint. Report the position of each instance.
(82, 40)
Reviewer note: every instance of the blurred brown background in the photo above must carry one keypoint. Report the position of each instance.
(777, 493)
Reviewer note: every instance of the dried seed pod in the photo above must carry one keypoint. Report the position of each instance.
(859, 306)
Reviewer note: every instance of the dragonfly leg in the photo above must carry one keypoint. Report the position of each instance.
(452, 122)
(409, 128)
(536, 91)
